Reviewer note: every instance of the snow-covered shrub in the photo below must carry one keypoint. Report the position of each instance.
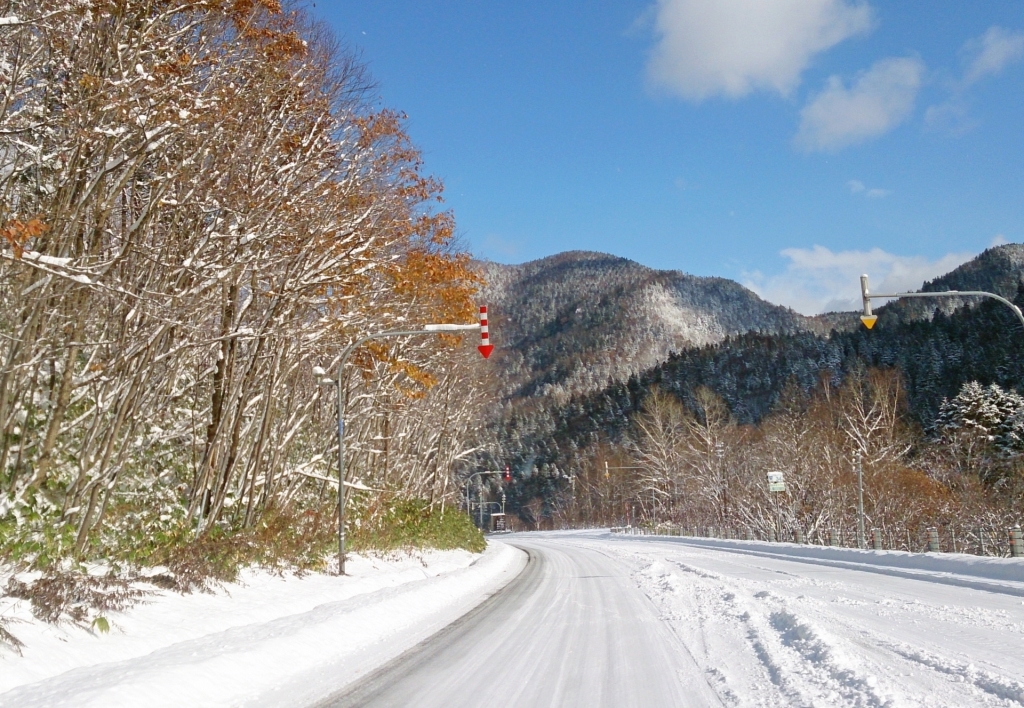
(987, 412)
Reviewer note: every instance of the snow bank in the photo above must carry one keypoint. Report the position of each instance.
(980, 572)
(960, 563)
(268, 640)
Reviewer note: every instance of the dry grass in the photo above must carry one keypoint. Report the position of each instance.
(62, 596)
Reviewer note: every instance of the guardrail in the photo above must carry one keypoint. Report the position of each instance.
(979, 541)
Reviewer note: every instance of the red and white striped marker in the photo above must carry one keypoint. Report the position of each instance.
(485, 341)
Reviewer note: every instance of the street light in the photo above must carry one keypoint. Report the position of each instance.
(869, 319)
(485, 349)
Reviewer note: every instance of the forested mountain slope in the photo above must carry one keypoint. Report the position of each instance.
(576, 321)
(935, 352)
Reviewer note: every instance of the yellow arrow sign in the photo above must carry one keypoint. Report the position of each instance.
(869, 320)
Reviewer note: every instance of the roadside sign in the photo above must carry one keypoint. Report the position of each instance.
(776, 482)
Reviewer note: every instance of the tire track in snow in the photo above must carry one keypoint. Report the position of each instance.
(801, 659)
(802, 664)
(997, 686)
(752, 635)
(896, 677)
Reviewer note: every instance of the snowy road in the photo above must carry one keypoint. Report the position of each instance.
(571, 630)
(599, 620)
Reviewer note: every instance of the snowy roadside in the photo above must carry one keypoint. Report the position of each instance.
(855, 628)
(265, 641)
(1004, 575)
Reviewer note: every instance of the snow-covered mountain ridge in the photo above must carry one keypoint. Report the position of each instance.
(574, 321)
(571, 322)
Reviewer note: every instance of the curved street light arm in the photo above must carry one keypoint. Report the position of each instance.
(868, 297)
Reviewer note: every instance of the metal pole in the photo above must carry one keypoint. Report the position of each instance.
(342, 400)
(719, 453)
(867, 297)
(480, 501)
(341, 464)
(861, 541)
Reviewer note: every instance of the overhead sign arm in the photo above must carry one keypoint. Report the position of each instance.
(869, 319)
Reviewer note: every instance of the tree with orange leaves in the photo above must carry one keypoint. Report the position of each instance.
(195, 211)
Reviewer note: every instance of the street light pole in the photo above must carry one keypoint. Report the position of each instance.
(720, 453)
(861, 539)
(342, 400)
(869, 319)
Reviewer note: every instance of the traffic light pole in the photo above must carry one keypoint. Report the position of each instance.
(480, 501)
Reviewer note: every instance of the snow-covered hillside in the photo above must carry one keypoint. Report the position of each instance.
(569, 323)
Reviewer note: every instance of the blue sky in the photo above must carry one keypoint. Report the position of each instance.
(789, 145)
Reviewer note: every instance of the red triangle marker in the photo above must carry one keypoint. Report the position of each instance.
(486, 349)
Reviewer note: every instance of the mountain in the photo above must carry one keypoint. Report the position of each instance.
(573, 322)
(578, 310)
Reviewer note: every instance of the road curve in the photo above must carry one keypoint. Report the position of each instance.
(571, 630)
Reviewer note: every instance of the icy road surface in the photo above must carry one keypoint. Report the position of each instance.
(602, 620)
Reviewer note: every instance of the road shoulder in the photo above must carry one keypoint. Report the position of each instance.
(278, 648)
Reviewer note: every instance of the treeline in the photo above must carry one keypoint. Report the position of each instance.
(699, 469)
(198, 203)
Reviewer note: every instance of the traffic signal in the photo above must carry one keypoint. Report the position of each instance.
(506, 476)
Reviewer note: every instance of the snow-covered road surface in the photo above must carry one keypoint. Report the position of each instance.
(606, 620)
(773, 631)
(571, 630)
(596, 620)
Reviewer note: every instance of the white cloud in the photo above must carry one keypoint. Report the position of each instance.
(992, 51)
(821, 280)
(951, 116)
(982, 56)
(857, 187)
(733, 47)
(880, 99)
(998, 240)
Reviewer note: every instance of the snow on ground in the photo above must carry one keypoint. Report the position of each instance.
(265, 641)
(770, 630)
